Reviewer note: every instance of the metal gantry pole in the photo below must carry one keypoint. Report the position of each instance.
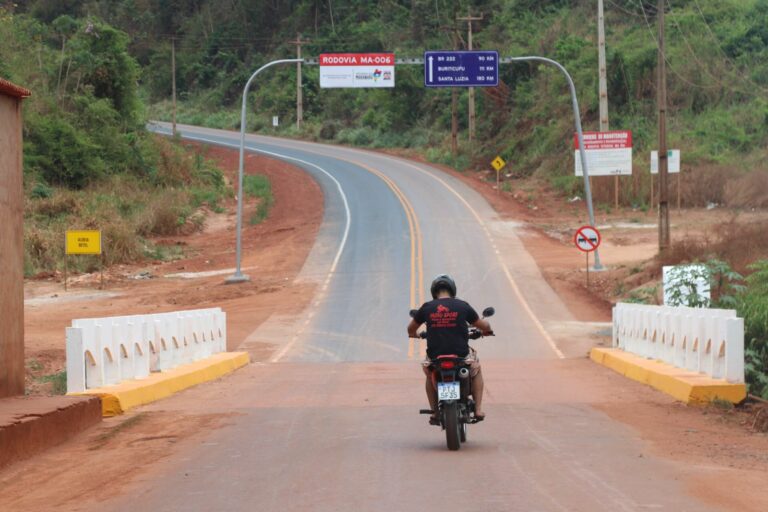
(576, 114)
(238, 276)
(579, 133)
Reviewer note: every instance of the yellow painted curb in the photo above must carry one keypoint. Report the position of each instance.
(129, 394)
(686, 386)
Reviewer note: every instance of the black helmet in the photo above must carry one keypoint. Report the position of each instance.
(443, 282)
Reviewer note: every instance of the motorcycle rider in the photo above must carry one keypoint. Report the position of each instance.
(448, 320)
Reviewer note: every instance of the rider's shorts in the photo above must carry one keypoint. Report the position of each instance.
(472, 360)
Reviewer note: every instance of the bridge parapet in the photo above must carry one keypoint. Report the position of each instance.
(106, 351)
(707, 341)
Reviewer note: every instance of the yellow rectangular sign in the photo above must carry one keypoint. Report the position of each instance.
(83, 242)
(498, 163)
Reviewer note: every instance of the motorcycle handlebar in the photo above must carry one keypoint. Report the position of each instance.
(473, 334)
(477, 333)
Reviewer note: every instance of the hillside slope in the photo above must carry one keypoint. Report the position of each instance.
(717, 58)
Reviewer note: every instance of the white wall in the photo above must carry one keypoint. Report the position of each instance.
(107, 351)
(708, 341)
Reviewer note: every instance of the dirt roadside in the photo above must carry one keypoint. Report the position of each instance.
(274, 252)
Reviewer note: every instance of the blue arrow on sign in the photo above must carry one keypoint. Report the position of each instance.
(461, 68)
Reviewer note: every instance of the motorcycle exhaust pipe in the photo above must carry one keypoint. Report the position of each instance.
(464, 373)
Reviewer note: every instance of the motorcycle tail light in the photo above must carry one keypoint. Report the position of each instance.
(446, 365)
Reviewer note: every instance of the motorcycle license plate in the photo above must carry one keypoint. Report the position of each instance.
(448, 391)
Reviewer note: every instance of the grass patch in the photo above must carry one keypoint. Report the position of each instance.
(164, 252)
(259, 187)
(58, 382)
(34, 365)
(723, 405)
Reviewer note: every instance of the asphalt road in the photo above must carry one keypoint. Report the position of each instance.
(331, 423)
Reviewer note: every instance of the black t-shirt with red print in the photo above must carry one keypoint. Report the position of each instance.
(447, 322)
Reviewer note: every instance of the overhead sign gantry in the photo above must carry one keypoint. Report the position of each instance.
(466, 69)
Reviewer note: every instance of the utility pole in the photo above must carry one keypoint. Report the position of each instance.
(299, 97)
(173, 80)
(664, 236)
(454, 100)
(469, 19)
(604, 84)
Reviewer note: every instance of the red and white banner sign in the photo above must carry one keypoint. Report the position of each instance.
(605, 140)
(357, 59)
(355, 70)
(608, 153)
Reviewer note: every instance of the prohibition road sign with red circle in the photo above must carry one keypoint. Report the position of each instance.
(587, 238)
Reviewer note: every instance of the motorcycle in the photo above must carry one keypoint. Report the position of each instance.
(453, 380)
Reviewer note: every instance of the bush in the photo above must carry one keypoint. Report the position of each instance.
(753, 306)
(41, 191)
(723, 282)
(328, 130)
(258, 186)
(62, 154)
(166, 215)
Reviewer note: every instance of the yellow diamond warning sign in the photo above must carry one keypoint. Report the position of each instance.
(83, 242)
(498, 163)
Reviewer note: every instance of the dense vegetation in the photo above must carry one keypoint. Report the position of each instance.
(718, 77)
(88, 161)
(717, 61)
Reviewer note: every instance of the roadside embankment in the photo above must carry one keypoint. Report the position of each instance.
(30, 425)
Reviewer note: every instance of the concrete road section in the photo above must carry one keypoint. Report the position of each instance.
(331, 423)
(346, 437)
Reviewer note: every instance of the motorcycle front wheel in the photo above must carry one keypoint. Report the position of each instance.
(452, 425)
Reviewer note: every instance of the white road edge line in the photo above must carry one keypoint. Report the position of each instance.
(283, 351)
(510, 279)
(504, 266)
(508, 274)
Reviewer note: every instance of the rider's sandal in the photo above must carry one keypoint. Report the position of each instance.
(434, 420)
(479, 417)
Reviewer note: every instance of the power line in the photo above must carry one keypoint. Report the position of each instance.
(722, 51)
(671, 68)
(690, 48)
(622, 9)
(688, 44)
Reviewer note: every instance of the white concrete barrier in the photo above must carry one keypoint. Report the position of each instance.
(709, 341)
(106, 351)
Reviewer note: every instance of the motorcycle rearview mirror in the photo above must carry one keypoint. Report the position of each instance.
(489, 311)
(413, 313)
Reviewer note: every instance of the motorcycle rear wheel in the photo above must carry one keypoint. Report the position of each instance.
(452, 426)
